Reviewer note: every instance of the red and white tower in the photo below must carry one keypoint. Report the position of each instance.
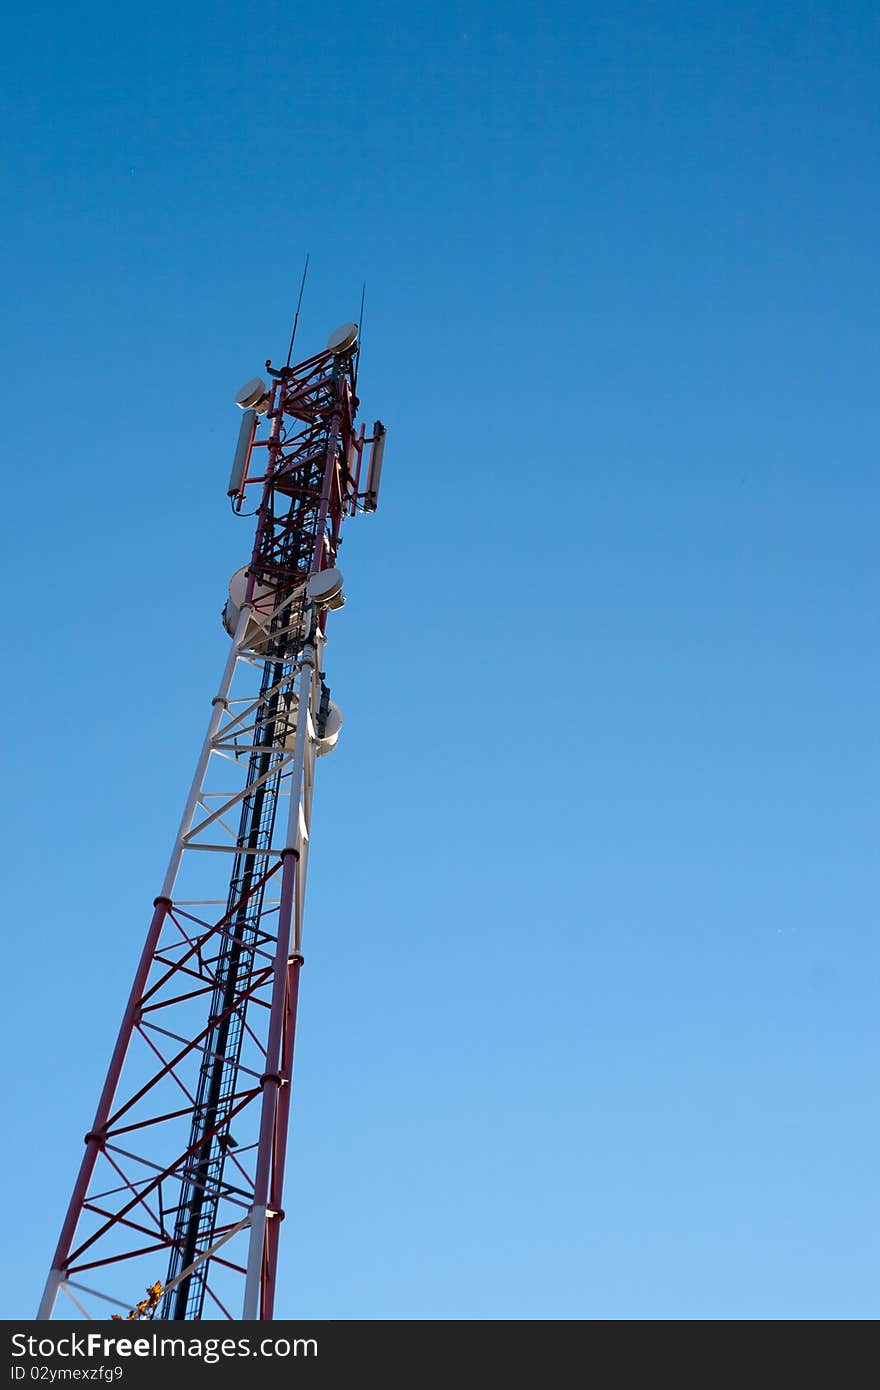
(179, 1193)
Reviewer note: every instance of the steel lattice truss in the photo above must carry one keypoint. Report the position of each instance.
(181, 1181)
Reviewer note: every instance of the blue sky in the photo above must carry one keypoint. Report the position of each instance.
(588, 1023)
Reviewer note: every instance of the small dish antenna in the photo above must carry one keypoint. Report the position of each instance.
(343, 338)
(332, 729)
(325, 588)
(253, 396)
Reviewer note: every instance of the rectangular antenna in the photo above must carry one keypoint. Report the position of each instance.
(242, 452)
(374, 471)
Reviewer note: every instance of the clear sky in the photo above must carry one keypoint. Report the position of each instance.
(589, 1012)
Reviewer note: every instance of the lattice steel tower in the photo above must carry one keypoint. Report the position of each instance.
(179, 1193)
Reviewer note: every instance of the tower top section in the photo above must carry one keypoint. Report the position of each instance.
(296, 412)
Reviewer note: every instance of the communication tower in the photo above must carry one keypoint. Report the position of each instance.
(179, 1195)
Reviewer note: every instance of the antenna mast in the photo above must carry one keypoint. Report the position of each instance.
(298, 307)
